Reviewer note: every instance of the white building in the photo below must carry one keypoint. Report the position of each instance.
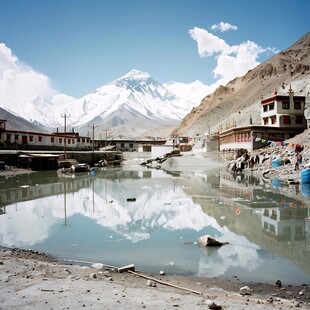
(284, 111)
(282, 117)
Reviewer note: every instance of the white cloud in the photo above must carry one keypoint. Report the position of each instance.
(20, 82)
(223, 27)
(208, 44)
(7, 59)
(231, 61)
(26, 92)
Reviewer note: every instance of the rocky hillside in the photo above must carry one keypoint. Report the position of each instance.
(239, 100)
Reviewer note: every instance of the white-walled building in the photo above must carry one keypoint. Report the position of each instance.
(38, 140)
(282, 117)
(284, 111)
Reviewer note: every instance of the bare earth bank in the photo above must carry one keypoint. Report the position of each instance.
(31, 280)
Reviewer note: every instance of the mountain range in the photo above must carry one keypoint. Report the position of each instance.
(136, 105)
(126, 107)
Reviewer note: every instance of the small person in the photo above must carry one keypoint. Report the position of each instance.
(256, 160)
(297, 162)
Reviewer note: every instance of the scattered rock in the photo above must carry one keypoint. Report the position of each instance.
(207, 240)
(212, 305)
(151, 283)
(131, 199)
(97, 266)
(245, 290)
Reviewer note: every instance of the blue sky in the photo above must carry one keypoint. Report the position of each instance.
(79, 45)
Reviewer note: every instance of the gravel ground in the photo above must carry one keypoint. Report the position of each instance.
(32, 280)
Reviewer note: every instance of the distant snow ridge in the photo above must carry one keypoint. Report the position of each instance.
(138, 99)
(135, 100)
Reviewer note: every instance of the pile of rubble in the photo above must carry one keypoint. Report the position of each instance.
(262, 163)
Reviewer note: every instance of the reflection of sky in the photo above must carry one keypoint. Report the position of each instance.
(217, 262)
(161, 206)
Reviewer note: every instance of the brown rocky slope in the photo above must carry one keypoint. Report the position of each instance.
(239, 100)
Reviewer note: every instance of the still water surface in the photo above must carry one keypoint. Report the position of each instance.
(89, 218)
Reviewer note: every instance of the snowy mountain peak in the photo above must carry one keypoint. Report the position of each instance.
(131, 104)
(135, 75)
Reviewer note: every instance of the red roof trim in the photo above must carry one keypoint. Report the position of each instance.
(281, 98)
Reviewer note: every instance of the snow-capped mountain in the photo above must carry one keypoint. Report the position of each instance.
(132, 104)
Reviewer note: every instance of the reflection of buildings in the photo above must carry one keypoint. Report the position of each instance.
(26, 192)
(254, 193)
(285, 223)
(273, 219)
(125, 174)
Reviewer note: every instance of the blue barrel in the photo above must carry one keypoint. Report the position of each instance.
(277, 162)
(305, 176)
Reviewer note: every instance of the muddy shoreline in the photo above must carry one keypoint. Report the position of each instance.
(33, 280)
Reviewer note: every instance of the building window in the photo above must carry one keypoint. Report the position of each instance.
(69, 141)
(286, 120)
(31, 138)
(131, 145)
(285, 105)
(271, 106)
(297, 105)
(60, 140)
(273, 119)
(265, 108)
(40, 139)
(78, 140)
(122, 145)
(83, 140)
(298, 230)
(16, 137)
(8, 137)
(52, 139)
(265, 120)
(299, 119)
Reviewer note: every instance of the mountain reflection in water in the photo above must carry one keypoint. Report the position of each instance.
(90, 218)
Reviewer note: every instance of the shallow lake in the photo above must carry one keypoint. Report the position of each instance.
(152, 219)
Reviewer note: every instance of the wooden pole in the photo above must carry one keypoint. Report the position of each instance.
(138, 274)
(164, 283)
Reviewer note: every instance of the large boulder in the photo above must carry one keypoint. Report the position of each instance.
(207, 240)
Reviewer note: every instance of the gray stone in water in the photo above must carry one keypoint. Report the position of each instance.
(207, 240)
